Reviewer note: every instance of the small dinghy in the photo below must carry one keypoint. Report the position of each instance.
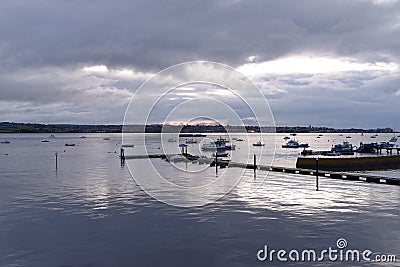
(259, 143)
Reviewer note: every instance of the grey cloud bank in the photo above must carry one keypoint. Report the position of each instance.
(45, 46)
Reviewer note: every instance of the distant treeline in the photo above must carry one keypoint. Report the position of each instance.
(10, 127)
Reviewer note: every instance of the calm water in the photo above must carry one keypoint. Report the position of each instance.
(91, 213)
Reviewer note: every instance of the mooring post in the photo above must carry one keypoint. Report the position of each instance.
(316, 180)
(56, 154)
(122, 156)
(216, 162)
(255, 166)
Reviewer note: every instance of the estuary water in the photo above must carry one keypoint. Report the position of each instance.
(90, 212)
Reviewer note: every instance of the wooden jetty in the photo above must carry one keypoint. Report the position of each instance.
(151, 156)
(299, 171)
(314, 172)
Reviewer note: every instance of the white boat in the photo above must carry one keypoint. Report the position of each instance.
(220, 144)
(205, 160)
(209, 146)
(259, 143)
(294, 144)
(5, 142)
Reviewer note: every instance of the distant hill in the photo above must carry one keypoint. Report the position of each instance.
(11, 127)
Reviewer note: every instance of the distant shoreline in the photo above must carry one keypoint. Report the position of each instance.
(10, 127)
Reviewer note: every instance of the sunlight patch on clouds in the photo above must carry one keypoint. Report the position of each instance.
(384, 2)
(96, 68)
(251, 59)
(119, 73)
(312, 65)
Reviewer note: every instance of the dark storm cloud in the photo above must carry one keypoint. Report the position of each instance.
(151, 35)
(45, 44)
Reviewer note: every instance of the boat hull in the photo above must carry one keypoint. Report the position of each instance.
(299, 146)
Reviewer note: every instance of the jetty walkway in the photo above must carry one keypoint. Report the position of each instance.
(310, 172)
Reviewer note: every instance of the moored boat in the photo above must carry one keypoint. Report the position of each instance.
(294, 144)
(5, 142)
(373, 147)
(259, 143)
(128, 145)
(344, 148)
(219, 144)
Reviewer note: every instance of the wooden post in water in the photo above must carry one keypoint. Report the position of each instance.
(255, 165)
(56, 154)
(216, 162)
(316, 181)
(122, 156)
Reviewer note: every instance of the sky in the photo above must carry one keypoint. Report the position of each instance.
(325, 63)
